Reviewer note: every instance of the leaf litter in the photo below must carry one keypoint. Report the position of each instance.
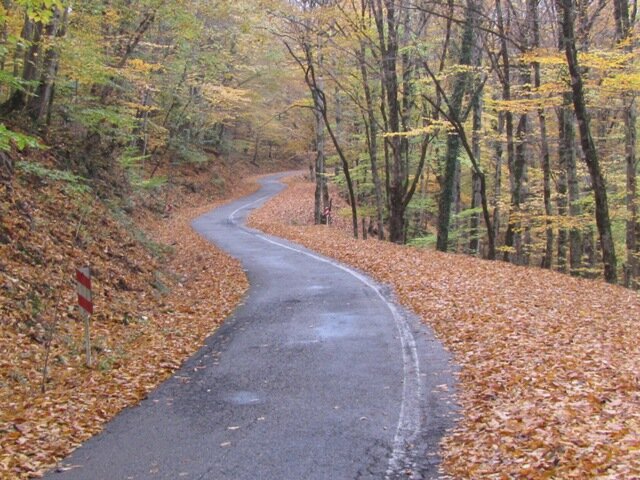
(549, 384)
(151, 313)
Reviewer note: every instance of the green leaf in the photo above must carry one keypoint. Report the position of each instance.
(19, 140)
(75, 183)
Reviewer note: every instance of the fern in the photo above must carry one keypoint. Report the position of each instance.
(21, 141)
(75, 184)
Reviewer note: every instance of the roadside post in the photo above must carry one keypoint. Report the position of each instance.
(83, 285)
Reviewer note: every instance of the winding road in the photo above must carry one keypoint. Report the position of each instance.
(317, 375)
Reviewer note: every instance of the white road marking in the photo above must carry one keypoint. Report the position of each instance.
(409, 421)
(231, 217)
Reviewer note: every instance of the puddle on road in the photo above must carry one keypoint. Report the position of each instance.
(326, 327)
(336, 325)
(316, 288)
(243, 397)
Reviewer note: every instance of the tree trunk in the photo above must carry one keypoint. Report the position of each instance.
(633, 227)
(32, 33)
(569, 240)
(395, 105)
(564, 151)
(256, 149)
(497, 190)
(575, 234)
(453, 140)
(345, 168)
(513, 237)
(321, 194)
(547, 256)
(38, 104)
(4, 34)
(573, 186)
(315, 84)
(476, 199)
(624, 24)
(588, 147)
(546, 175)
(319, 167)
(390, 77)
(372, 142)
(508, 115)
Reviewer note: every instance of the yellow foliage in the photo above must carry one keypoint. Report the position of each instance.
(111, 16)
(454, 70)
(544, 57)
(140, 107)
(221, 95)
(524, 105)
(623, 82)
(551, 88)
(140, 66)
(605, 59)
(597, 59)
(433, 128)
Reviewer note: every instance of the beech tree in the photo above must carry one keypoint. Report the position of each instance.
(588, 146)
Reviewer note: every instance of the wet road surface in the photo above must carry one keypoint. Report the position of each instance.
(317, 375)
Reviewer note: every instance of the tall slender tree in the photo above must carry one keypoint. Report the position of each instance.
(568, 14)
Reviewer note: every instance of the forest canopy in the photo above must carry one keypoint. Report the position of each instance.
(500, 129)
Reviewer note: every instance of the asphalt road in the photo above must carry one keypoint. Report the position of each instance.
(318, 375)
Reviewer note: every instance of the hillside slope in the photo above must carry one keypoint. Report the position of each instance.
(157, 296)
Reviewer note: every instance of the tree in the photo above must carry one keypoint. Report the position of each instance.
(567, 11)
(461, 85)
(624, 22)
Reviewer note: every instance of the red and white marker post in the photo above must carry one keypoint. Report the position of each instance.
(83, 284)
(326, 213)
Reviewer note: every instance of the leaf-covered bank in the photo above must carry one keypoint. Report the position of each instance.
(548, 383)
(151, 312)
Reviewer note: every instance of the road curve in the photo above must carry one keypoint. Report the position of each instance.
(317, 375)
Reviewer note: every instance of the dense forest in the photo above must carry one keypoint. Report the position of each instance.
(125, 93)
(502, 130)
(505, 130)
(499, 129)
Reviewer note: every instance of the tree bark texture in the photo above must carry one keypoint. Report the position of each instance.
(590, 153)
(453, 140)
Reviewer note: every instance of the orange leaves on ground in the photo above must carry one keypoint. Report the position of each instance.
(150, 316)
(549, 382)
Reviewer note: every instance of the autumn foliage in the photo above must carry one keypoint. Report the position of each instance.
(548, 379)
(154, 306)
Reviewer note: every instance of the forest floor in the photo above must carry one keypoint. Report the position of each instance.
(152, 295)
(548, 384)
